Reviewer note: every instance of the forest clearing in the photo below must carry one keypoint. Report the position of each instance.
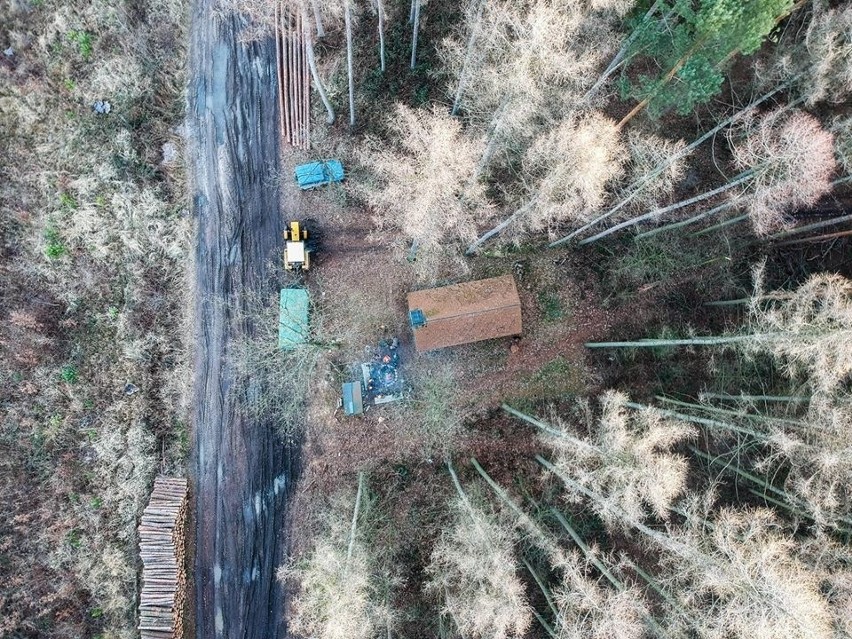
(661, 446)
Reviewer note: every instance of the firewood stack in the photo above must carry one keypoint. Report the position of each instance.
(162, 546)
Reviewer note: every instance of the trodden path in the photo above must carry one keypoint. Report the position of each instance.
(240, 469)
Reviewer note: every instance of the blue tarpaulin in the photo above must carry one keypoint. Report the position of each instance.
(315, 174)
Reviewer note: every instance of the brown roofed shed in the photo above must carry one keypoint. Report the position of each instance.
(464, 313)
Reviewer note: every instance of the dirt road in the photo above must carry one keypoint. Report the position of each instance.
(241, 470)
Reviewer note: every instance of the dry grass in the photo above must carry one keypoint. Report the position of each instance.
(279, 382)
(94, 288)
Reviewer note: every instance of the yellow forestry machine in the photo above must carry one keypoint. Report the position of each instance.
(297, 247)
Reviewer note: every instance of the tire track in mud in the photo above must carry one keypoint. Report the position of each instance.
(241, 470)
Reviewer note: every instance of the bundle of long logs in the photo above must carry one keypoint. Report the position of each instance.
(162, 536)
(293, 78)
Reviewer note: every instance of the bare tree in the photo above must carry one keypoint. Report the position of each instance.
(829, 46)
(566, 172)
(819, 455)
(842, 130)
(379, 6)
(315, 8)
(639, 185)
(425, 187)
(415, 30)
(520, 64)
(787, 161)
(815, 70)
(587, 609)
(474, 571)
(741, 563)
(347, 16)
(791, 158)
(657, 163)
(626, 457)
(336, 595)
(808, 331)
(582, 606)
(747, 568)
(474, 10)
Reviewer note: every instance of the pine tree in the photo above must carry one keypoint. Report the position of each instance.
(693, 46)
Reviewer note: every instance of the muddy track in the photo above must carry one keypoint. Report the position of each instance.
(240, 468)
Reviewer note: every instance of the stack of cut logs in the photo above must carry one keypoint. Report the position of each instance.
(293, 78)
(162, 536)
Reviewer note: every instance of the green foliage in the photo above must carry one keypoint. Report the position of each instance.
(69, 374)
(696, 43)
(55, 248)
(83, 41)
(551, 306)
(737, 25)
(67, 201)
(74, 538)
(697, 81)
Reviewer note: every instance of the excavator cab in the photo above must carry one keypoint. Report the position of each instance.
(297, 252)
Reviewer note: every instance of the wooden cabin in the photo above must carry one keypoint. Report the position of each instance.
(465, 313)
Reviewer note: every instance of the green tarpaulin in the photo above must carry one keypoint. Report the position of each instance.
(293, 318)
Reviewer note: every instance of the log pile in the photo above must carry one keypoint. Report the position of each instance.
(293, 78)
(162, 537)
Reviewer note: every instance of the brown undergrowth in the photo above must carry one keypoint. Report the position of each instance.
(92, 349)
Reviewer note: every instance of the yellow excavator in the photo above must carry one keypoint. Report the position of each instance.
(297, 248)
